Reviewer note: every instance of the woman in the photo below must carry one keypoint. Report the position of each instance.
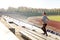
(44, 20)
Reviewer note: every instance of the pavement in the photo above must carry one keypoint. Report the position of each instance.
(5, 33)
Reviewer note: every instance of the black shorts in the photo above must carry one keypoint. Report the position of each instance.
(44, 25)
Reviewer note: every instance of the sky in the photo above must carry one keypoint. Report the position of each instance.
(30, 3)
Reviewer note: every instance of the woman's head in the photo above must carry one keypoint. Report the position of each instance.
(44, 13)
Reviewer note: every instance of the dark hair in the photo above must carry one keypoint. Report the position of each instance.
(44, 13)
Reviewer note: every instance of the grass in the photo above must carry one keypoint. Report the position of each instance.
(55, 18)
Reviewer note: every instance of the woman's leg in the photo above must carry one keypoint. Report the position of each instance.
(44, 29)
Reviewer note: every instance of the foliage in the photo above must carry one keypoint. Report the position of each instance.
(31, 11)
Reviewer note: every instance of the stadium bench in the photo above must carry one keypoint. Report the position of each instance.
(27, 36)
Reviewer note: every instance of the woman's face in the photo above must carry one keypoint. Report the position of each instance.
(43, 14)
